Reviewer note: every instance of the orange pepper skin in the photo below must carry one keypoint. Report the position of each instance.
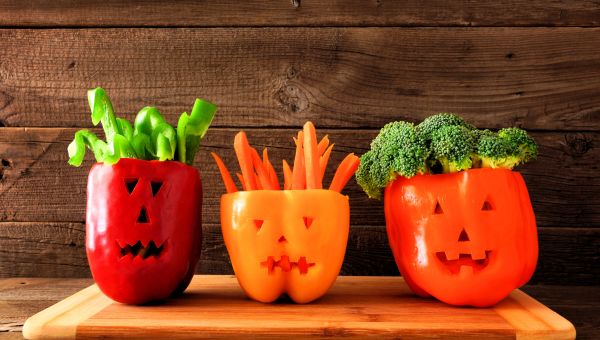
(466, 238)
(285, 241)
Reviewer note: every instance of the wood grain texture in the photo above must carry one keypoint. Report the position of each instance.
(38, 185)
(214, 306)
(567, 256)
(538, 78)
(22, 297)
(299, 13)
(577, 304)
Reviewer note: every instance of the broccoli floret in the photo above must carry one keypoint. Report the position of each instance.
(494, 152)
(520, 142)
(431, 124)
(443, 143)
(452, 146)
(397, 150)
(506, 149)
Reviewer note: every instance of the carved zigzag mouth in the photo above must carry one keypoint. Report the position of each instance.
(456, 263)
(286, 265)
(140, 249)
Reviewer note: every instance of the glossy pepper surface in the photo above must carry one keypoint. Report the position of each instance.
(285, 242)
(143, 228)
(466, 238)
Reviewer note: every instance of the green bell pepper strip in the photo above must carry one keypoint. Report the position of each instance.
(102, 111)
(85, 138)
(151, 137)
(125, 128)
(163, 139)
(192, 128)
(119, 148)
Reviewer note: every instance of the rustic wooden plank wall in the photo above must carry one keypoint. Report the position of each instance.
(349, 66)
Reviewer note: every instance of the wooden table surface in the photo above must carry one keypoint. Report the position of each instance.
(23, 297)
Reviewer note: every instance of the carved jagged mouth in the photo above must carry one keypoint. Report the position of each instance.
(142, 250)
(286, 265)
(468, 261)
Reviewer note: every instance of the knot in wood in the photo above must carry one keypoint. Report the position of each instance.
(578, 144)
(292, 98)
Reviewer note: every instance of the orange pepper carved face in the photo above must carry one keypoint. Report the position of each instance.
(285, 242)
(467, 238)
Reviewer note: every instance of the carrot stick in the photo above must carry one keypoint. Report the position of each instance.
(298, 174)
(322, 146)
(227, 180)
(244, 155)
(241, 178)
(270, 170)
(345, 170)
(287, 176)
(262, 177)
(323, 162)
(259, 185)
(311, 157)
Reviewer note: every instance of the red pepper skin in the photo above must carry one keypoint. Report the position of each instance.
(494, 244)
(113, 221)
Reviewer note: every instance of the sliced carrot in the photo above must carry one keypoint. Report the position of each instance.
(241, 178)
(227, 180)
(287, 176)
(244, 155)
(311, 157)
(345, 170)
(298, 174)
(323, 144)
(270, 170)
(323, 162)
(262, 176)
(259, 185)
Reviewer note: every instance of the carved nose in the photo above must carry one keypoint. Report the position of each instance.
(464, 237)
(143, 216)
(282, 239)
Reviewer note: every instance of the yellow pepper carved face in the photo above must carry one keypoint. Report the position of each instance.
(285, 242)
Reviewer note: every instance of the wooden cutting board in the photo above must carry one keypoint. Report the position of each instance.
(215, 306)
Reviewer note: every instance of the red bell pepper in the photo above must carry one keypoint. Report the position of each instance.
(466, 238)
(143, 230)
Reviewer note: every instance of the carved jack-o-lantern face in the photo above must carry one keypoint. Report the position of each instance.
(467, 238)
(290, 241)
(143, 228)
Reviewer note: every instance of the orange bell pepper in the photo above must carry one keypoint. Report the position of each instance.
(466, 238)
(290, 241)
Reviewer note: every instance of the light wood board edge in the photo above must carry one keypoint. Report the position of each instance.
(60, 320)
(533, 320)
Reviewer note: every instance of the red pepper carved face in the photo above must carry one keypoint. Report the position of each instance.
(143, 228)
(467, 238)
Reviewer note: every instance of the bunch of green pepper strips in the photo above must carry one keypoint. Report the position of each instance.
(150, 138)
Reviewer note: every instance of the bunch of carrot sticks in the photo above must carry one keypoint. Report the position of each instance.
(310, 163)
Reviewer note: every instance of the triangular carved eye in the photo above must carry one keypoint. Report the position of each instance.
(308, 221)
(438, 209)
(155, 187)
(486, 206)
(258, 224)
(130, 183)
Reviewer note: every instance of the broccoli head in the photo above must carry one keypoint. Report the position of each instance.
(520, 143)
(398, 150)
(433, 123)
(452, 146)
(443, 143)
(506, 149)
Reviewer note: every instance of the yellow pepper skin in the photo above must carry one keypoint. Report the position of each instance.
(285, 241)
